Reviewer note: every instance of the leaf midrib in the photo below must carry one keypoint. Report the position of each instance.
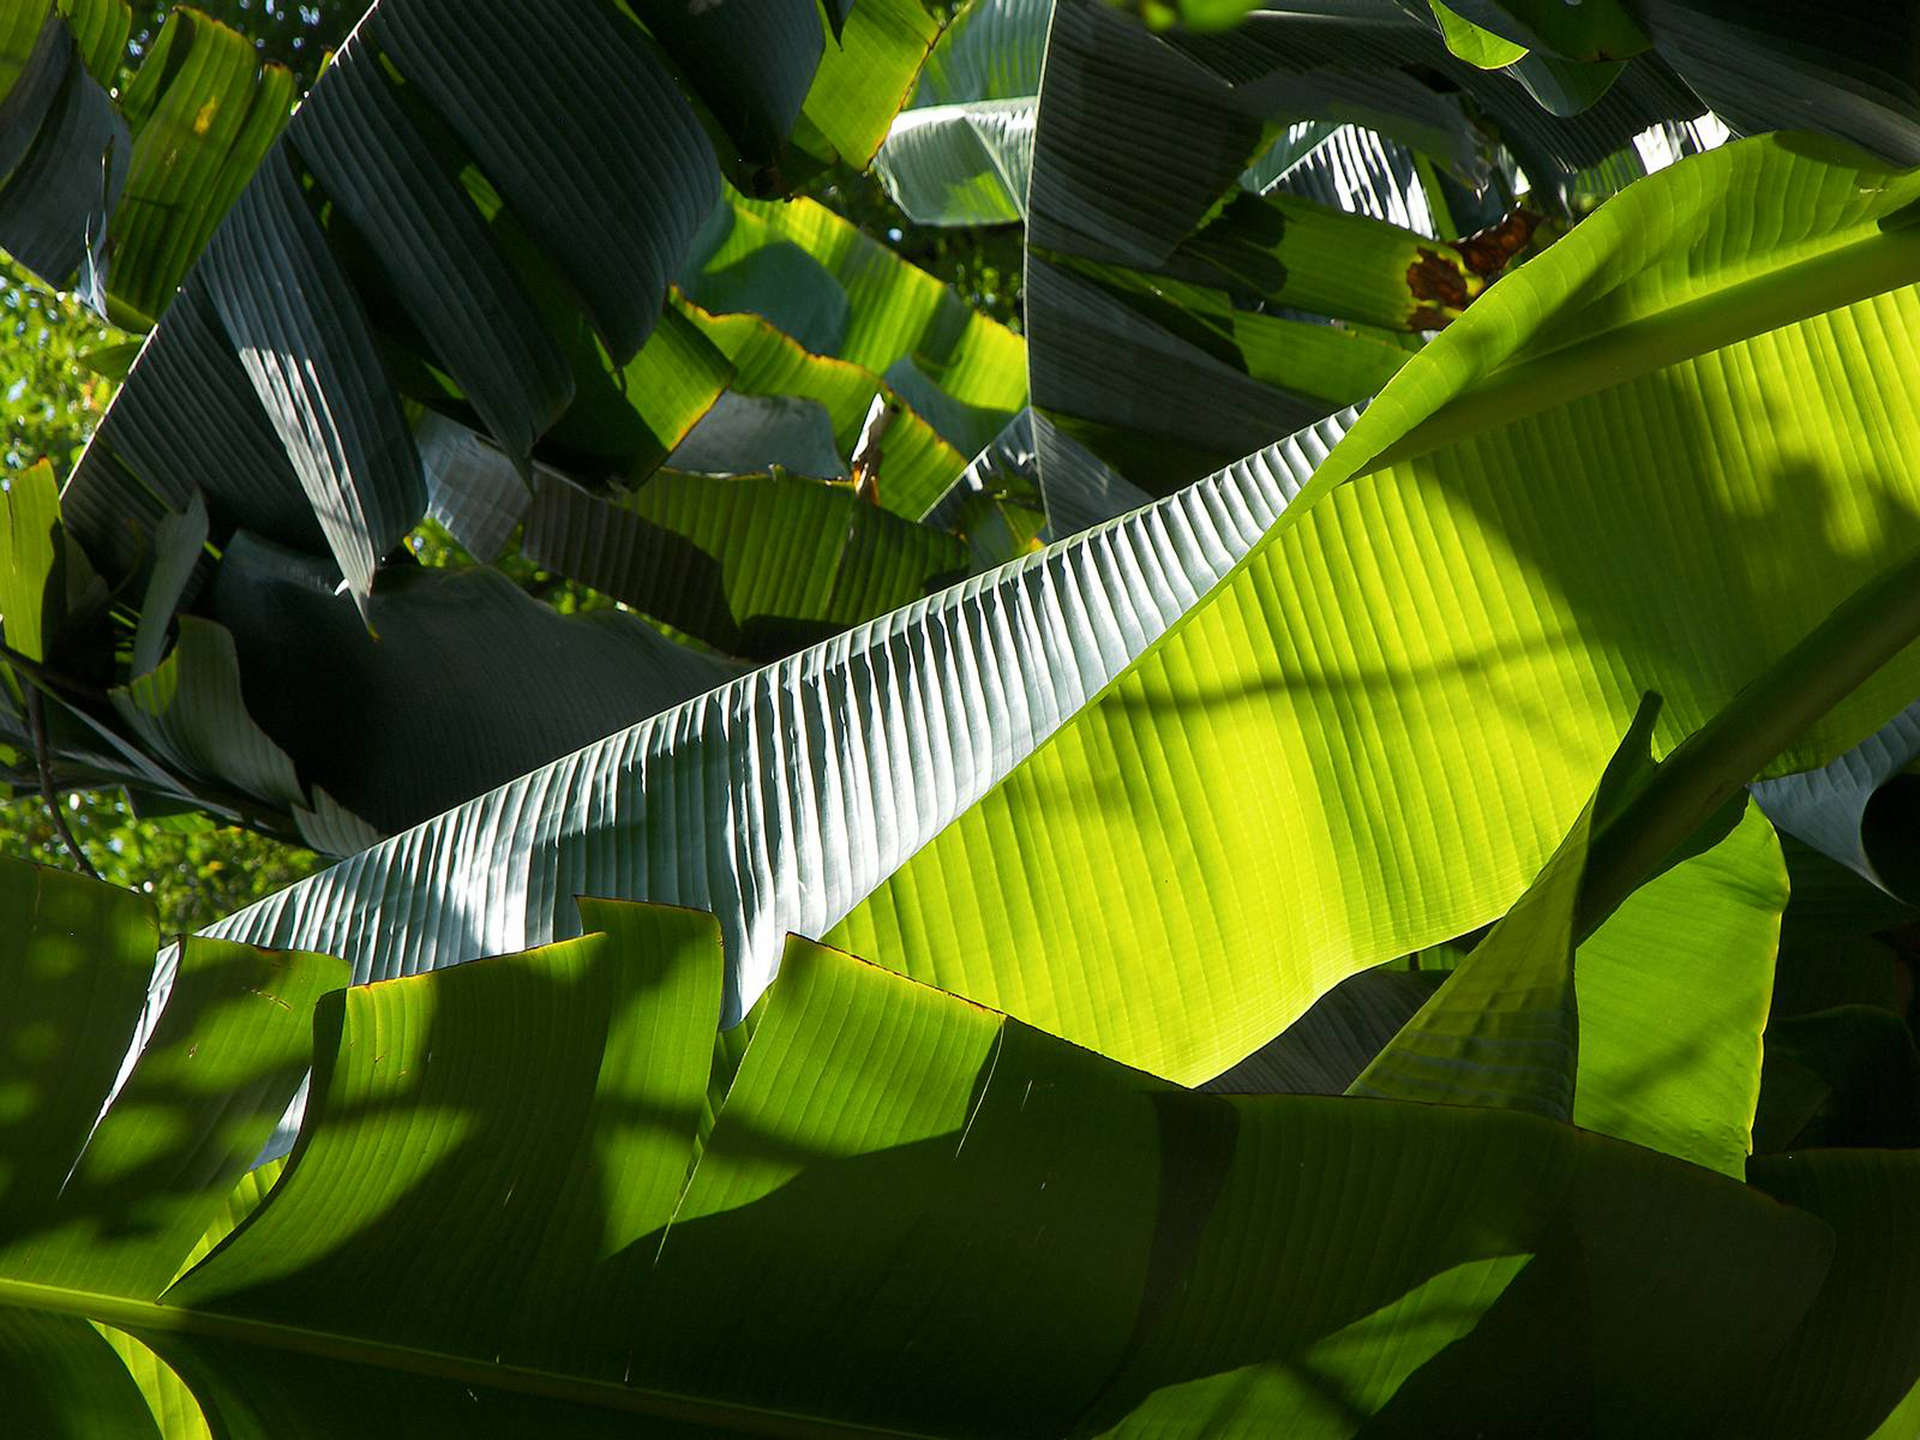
(151, 1317)
(1588, 363)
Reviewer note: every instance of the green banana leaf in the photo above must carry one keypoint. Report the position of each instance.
(63, 158)
(203, 110)
(1480, 48)
(309, 351)
(841, 293)
(315, 680)
(1672, 1009)
(483, 245)
(918, 464)
(1192, 119)
(1669, 998)
(1504, 1031)
(30, 545)
(872, 57)
(1295, 575)
(962, 152)
(1649, 1029)
(1111, 1253)
(1356, 721)
(755, 565)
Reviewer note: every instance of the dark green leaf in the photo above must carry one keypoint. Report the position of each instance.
(375, 165)
(470, 683)
(305, 343)
(617, 175)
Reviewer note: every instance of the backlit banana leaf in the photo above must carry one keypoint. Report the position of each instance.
(873, 54)
(1669, 998)
(1112, 1253)
(917, 464)
(753, 565)
(428, 181)
(1672, 1009)
(1355, 722)
(203, 110)
(841, 293)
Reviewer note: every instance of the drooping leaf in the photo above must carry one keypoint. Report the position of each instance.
(1351, 169)
(306, 344)
(613, 212)
(151, 452)
(470, 682)
(100, 29)
(962, 153)
(1601, 30)
(918, 464)
(376, 167)
(30, 542)
(892, 310)
(1479, 48)
(753, 64)
(203, 111)
(1673, 996)
(755, 565)
(960, 164)
(63, 162)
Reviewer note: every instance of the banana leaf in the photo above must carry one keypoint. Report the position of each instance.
(1167, 1253)
(1458, 695)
